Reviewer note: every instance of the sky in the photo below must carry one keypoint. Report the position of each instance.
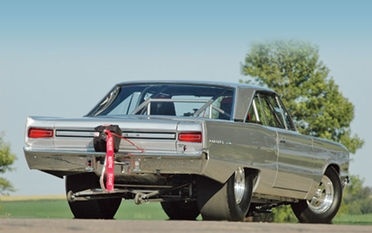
(58, 58)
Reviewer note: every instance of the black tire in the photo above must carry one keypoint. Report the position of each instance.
(92, 209)
(229, 201)
(325, 203)
(181, 210)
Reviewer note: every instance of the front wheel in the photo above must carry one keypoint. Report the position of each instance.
(92, 209)
(229, 201)
(323, 206)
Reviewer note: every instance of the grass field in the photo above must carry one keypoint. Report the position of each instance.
(57, 207)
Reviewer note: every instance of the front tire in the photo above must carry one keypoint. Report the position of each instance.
(325, 203)
(92, 209)
(229, 201)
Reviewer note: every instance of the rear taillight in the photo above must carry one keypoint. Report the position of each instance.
(190, 137)
(40, 133)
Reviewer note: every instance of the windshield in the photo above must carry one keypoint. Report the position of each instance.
(167, 99)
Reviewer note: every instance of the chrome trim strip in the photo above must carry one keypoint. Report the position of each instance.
(137, 135)
(144, 135)
(74, 133)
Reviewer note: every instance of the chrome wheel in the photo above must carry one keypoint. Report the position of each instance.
(323, 197)
(325, 202)
(239, 185)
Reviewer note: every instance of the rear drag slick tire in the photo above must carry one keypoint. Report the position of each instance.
(181, 210)
(92, 209)
(229, 201)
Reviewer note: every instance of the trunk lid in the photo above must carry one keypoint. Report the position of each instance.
(150, 133)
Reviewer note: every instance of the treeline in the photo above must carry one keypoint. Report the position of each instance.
(357, 198)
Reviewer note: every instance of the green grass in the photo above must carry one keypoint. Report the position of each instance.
(35, 209)
(147, 211)
(58, 208)
(360, 219)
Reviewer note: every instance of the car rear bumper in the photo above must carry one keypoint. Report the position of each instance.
(61, 163)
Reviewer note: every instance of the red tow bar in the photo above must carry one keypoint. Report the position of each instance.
(110, 166)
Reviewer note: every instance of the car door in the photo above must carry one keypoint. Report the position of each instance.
(294, 151)
(295, 162)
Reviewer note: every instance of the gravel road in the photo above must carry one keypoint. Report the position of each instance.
(113, 226)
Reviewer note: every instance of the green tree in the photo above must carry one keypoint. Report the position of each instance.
(294, 70)
(6, 160)
(357, 199)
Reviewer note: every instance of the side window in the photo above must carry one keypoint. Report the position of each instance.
(269, 113)
(253, 115)
(266, 110)
(287, 117)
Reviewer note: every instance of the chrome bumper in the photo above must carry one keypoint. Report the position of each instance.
(63, 163)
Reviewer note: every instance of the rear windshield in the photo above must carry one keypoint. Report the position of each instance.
(167, 99)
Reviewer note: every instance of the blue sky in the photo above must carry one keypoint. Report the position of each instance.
(59, 58)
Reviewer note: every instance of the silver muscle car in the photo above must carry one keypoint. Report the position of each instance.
(221, 150)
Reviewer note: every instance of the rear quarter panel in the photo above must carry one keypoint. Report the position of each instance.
(234, 144)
